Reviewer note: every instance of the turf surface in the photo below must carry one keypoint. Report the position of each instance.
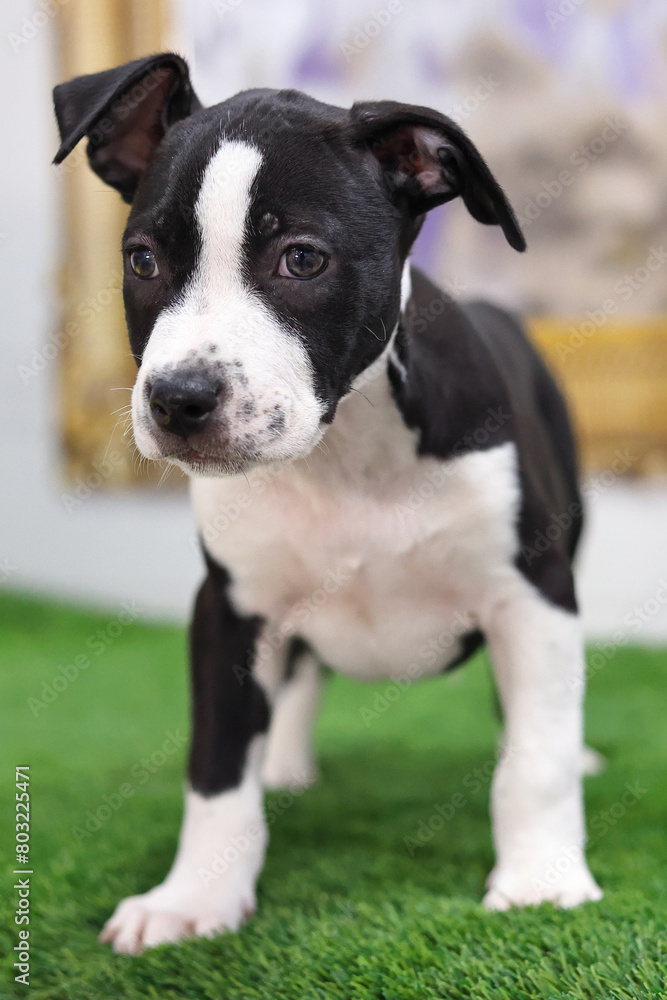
(349, 905)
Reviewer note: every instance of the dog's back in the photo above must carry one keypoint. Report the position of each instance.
(474, 382)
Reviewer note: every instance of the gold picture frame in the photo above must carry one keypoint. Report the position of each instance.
(97, 369)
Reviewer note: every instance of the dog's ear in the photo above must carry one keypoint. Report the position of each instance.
(427, 159)
(125, 112)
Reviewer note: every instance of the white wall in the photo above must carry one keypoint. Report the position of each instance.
(114, 548)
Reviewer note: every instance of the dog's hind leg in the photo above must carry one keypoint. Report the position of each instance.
(536, 798)
(289, 761)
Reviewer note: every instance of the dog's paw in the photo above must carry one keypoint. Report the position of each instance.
(166, 915)
(564, 889)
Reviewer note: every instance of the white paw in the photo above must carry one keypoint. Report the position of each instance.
(564, 884)
(168, 914)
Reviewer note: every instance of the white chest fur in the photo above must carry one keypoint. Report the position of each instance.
(378, 558)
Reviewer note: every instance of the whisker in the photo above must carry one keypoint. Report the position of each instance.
(111, 436)
(352, 389)
(382, 340)
(165, 473)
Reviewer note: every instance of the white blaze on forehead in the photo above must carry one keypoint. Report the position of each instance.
(222, 212)
(269, 404)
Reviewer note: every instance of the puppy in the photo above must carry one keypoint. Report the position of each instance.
(400, 468)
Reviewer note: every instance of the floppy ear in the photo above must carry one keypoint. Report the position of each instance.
(125, 112)
(426, 160)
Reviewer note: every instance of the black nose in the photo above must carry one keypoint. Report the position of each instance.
(183, 405)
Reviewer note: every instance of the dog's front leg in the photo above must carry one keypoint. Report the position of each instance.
(211, 885)
(536, 797)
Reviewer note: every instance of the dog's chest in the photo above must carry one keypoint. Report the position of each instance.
(374, 556)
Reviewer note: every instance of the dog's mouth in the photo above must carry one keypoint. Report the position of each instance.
(196, 460)
(214, 451)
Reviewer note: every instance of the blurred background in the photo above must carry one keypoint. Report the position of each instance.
(566, 100)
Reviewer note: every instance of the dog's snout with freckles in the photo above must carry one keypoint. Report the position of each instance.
(214, 416)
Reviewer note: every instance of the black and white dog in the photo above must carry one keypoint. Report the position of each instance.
(372, 464)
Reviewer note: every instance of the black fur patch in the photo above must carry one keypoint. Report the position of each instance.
(473, 381)
(228, 706)
(470, 643)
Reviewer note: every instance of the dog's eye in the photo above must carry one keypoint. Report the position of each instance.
(301, 262)
(143, 263)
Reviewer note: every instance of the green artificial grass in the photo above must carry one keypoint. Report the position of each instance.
(346, 909)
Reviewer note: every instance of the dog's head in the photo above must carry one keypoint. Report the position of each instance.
(264, 248)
